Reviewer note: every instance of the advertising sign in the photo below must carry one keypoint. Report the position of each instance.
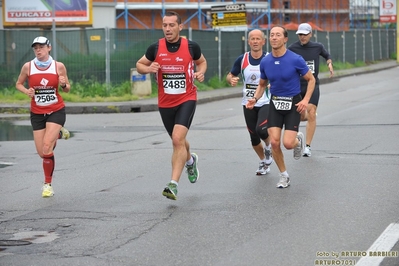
(388, 11)
(41, 13)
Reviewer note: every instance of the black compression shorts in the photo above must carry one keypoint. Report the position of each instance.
(180, 115)
(38, 121)
(289, 119)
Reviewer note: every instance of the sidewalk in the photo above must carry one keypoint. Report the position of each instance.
(148, 105)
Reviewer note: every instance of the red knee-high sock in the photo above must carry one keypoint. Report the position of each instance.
(48, 167)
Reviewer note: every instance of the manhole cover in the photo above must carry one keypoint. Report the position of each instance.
(14, 242)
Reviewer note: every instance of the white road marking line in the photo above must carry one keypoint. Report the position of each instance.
(385, 243)
(6, 163)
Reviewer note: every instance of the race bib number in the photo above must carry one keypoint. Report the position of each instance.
(282, 103)
(311, 65)
(174, 83)
(250, 90)
(45, 97)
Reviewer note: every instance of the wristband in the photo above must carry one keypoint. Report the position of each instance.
(256, 99)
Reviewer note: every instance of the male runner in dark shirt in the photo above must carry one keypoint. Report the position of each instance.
(311, 52)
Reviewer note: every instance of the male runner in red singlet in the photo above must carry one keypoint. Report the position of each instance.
(176, 63)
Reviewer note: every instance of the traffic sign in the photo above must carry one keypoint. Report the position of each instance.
(229, 15)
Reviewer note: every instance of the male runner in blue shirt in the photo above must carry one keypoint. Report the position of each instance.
(283, 69)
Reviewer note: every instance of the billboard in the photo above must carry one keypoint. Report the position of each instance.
(39, 13)
(388, 11)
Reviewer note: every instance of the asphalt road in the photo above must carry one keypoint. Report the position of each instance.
(108, 208)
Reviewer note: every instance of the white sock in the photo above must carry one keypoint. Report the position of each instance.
(284, 174)
(191, 161)
(174, 182)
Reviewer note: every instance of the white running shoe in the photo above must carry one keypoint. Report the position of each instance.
(307, 152)
(263, 169)
(298, 150)
(284, 182)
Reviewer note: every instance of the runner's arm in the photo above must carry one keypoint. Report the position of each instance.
(21, 80)
(201, 66)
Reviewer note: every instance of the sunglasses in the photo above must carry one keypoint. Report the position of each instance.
(301, 34)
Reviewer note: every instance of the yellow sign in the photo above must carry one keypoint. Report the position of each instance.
(229, 19)
(95, 38)
(229, 15)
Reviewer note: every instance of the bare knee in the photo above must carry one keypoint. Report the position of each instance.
(47, 148)
(275, 143)
(311, 113)
(178, 142)
(288, 145)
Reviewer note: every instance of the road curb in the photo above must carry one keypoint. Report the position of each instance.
(149, 105)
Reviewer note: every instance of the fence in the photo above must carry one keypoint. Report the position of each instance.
(107, 55)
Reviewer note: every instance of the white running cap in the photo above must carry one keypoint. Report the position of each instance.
(304, 28)
(41, 40)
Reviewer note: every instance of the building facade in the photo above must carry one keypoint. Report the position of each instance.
(327, 15)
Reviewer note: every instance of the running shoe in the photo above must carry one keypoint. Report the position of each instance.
(47, 191)
(307, 152)
(64, 133)
(284, 182)
(269, 158)
(170, 191)
(300, 147)
(263, 169)
(192, 170)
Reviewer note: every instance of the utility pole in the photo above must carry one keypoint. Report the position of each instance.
(54, 45)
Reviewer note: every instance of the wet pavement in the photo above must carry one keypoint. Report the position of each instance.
(108, 209)
(11, 132)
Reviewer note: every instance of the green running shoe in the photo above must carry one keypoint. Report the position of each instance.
(192, 170)
(170, 191)
(64, 133)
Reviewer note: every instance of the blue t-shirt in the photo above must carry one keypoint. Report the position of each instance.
(284, 73)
